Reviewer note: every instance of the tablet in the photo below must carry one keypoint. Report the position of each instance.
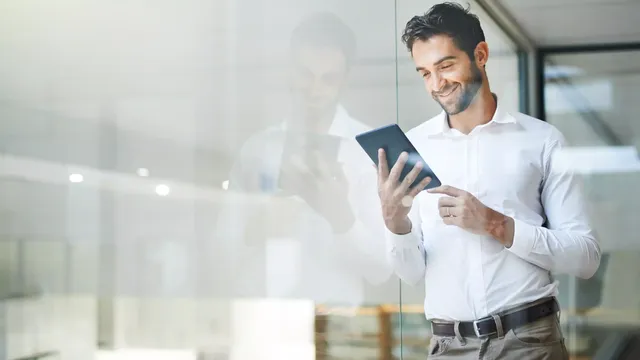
(393, 140)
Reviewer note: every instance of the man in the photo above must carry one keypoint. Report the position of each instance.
(478, 242)
(294, 233)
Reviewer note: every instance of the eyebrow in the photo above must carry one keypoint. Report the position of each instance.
(450, 57)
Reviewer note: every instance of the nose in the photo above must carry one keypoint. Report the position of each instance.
(437, 83)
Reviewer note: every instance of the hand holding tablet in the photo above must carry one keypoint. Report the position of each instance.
(399, 183)
(394, 142)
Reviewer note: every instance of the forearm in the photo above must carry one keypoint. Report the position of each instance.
(500, 227)
(572, 251)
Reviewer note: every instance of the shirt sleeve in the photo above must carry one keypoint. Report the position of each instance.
(567, 244)
(238, 229)
(406, 252)
(363, 246)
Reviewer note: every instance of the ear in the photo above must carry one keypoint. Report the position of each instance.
(481, 54)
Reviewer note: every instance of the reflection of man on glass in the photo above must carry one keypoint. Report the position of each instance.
(296, 233)
(479, 243)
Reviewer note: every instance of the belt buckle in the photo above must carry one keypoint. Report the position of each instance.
(476, 329)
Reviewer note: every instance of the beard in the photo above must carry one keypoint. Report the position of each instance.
(467, 93)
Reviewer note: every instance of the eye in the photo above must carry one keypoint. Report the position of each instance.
(446, 66)
(426, 74)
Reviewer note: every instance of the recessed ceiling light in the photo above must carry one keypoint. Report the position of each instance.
(76, 178)
(144, 172)
(162, 190)
(225, 185)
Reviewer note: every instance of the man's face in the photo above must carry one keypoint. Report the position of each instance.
(451, 77)
(317, 79)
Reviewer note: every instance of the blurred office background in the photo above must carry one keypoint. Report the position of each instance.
(120, 122)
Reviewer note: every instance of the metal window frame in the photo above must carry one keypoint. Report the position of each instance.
(589, 48)
(525, 51)
(544, 51)
(531, 57)
(523, 82)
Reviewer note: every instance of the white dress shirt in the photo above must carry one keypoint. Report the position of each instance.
(508, 164)
(313, 263)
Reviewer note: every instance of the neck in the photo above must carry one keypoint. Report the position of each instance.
(480, 112)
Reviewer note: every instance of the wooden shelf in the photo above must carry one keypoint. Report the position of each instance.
(384, 339)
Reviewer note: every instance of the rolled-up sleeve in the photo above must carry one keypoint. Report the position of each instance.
(567, 244)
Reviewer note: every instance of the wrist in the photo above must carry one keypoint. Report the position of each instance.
(500, 227)
(399, 226)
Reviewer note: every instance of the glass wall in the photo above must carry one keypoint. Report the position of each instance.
(591, 98)
(155, 199)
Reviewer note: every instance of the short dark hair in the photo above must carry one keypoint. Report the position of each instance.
(325, 29)
(446, 19)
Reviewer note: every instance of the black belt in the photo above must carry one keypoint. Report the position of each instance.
(487, 326)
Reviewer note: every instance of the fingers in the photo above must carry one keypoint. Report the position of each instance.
(449, 211)
(447, 190)
(383, 167)
(421, 185)
(451, 220)
(448, 201)
(451, 215)
(394, 175)
(411, 176)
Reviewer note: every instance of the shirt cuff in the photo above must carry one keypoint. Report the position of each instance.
(524, 238)
(406, 241)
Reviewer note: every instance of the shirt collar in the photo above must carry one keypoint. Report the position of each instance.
(441, 124)
(341, 125)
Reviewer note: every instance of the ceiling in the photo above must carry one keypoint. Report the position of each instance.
(576, 22)
(160, 78)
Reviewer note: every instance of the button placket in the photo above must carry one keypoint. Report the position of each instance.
(467, 170)
(472, 156)
(475, 166)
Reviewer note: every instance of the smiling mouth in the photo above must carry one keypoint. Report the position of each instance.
(448, 93)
